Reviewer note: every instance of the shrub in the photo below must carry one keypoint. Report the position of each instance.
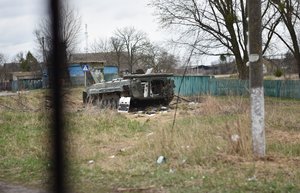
(278, 72)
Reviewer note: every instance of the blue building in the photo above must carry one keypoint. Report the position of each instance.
(97, 73)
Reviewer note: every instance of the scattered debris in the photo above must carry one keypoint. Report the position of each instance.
(161, 159)
(151, 115)
(151, 112)
(149, 134)
(163, 112)
(163, 108)
(185, 147)
(192, 103)
(91, 162)
(235, 137)
(253, 178)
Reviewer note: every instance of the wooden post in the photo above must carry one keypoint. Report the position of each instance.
(256, 78)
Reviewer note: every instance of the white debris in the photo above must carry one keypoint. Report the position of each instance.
(151, 115)
(149, 134)
(91, 162)
(163, 108)
(235, 137)
(253, 178)
(161, 159)
(111, 157)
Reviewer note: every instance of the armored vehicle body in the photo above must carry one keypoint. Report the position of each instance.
(136, 90)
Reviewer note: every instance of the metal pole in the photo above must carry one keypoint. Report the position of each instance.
(256, 78)
(43, 47)
(84, 78)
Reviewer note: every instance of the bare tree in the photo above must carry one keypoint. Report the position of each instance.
(150, 56)
(2, 69)
(70, 27)
(213, 27)
(112, 50)
(104, 47)
(134, 43)
(118, 47)
(70, 30)
(101, 45)
(2, 59)
(290, 16)
(159, 59)
(18, 58)
(167, 62)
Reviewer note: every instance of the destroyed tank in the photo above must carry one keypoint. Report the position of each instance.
(132, 91)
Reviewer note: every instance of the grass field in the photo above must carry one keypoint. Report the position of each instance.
(112, 152)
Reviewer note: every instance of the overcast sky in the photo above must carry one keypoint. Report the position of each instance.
(19, 18)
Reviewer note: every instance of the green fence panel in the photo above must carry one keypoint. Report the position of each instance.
(272, 88)
(199, 85)
(220, 87)
(191, 85)
(290, 89)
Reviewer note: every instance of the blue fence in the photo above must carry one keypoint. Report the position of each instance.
(199, 85)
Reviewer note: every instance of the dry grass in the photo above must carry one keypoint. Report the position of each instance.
(208, 149)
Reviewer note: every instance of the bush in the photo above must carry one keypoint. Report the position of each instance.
(278, 72)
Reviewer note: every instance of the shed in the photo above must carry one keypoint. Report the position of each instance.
(27, 80)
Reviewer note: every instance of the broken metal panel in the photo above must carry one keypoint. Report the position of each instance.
(124, 104)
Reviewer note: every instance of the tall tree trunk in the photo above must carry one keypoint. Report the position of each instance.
(242, 69)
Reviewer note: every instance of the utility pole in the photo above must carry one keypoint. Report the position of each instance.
(256, 78)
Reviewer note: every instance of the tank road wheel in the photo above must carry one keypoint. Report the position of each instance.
(97, 100)
(113, 104)
(104, 103)
(110, 101)
(101, 103)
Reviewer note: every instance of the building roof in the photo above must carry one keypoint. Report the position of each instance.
(87, 58)
(27, 75)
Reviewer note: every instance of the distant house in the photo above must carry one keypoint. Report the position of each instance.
(197, 70)
(12, 78)
(99, 69)
(108, 59)
(26, 80)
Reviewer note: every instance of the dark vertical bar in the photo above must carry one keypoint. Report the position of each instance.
(57, 61)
